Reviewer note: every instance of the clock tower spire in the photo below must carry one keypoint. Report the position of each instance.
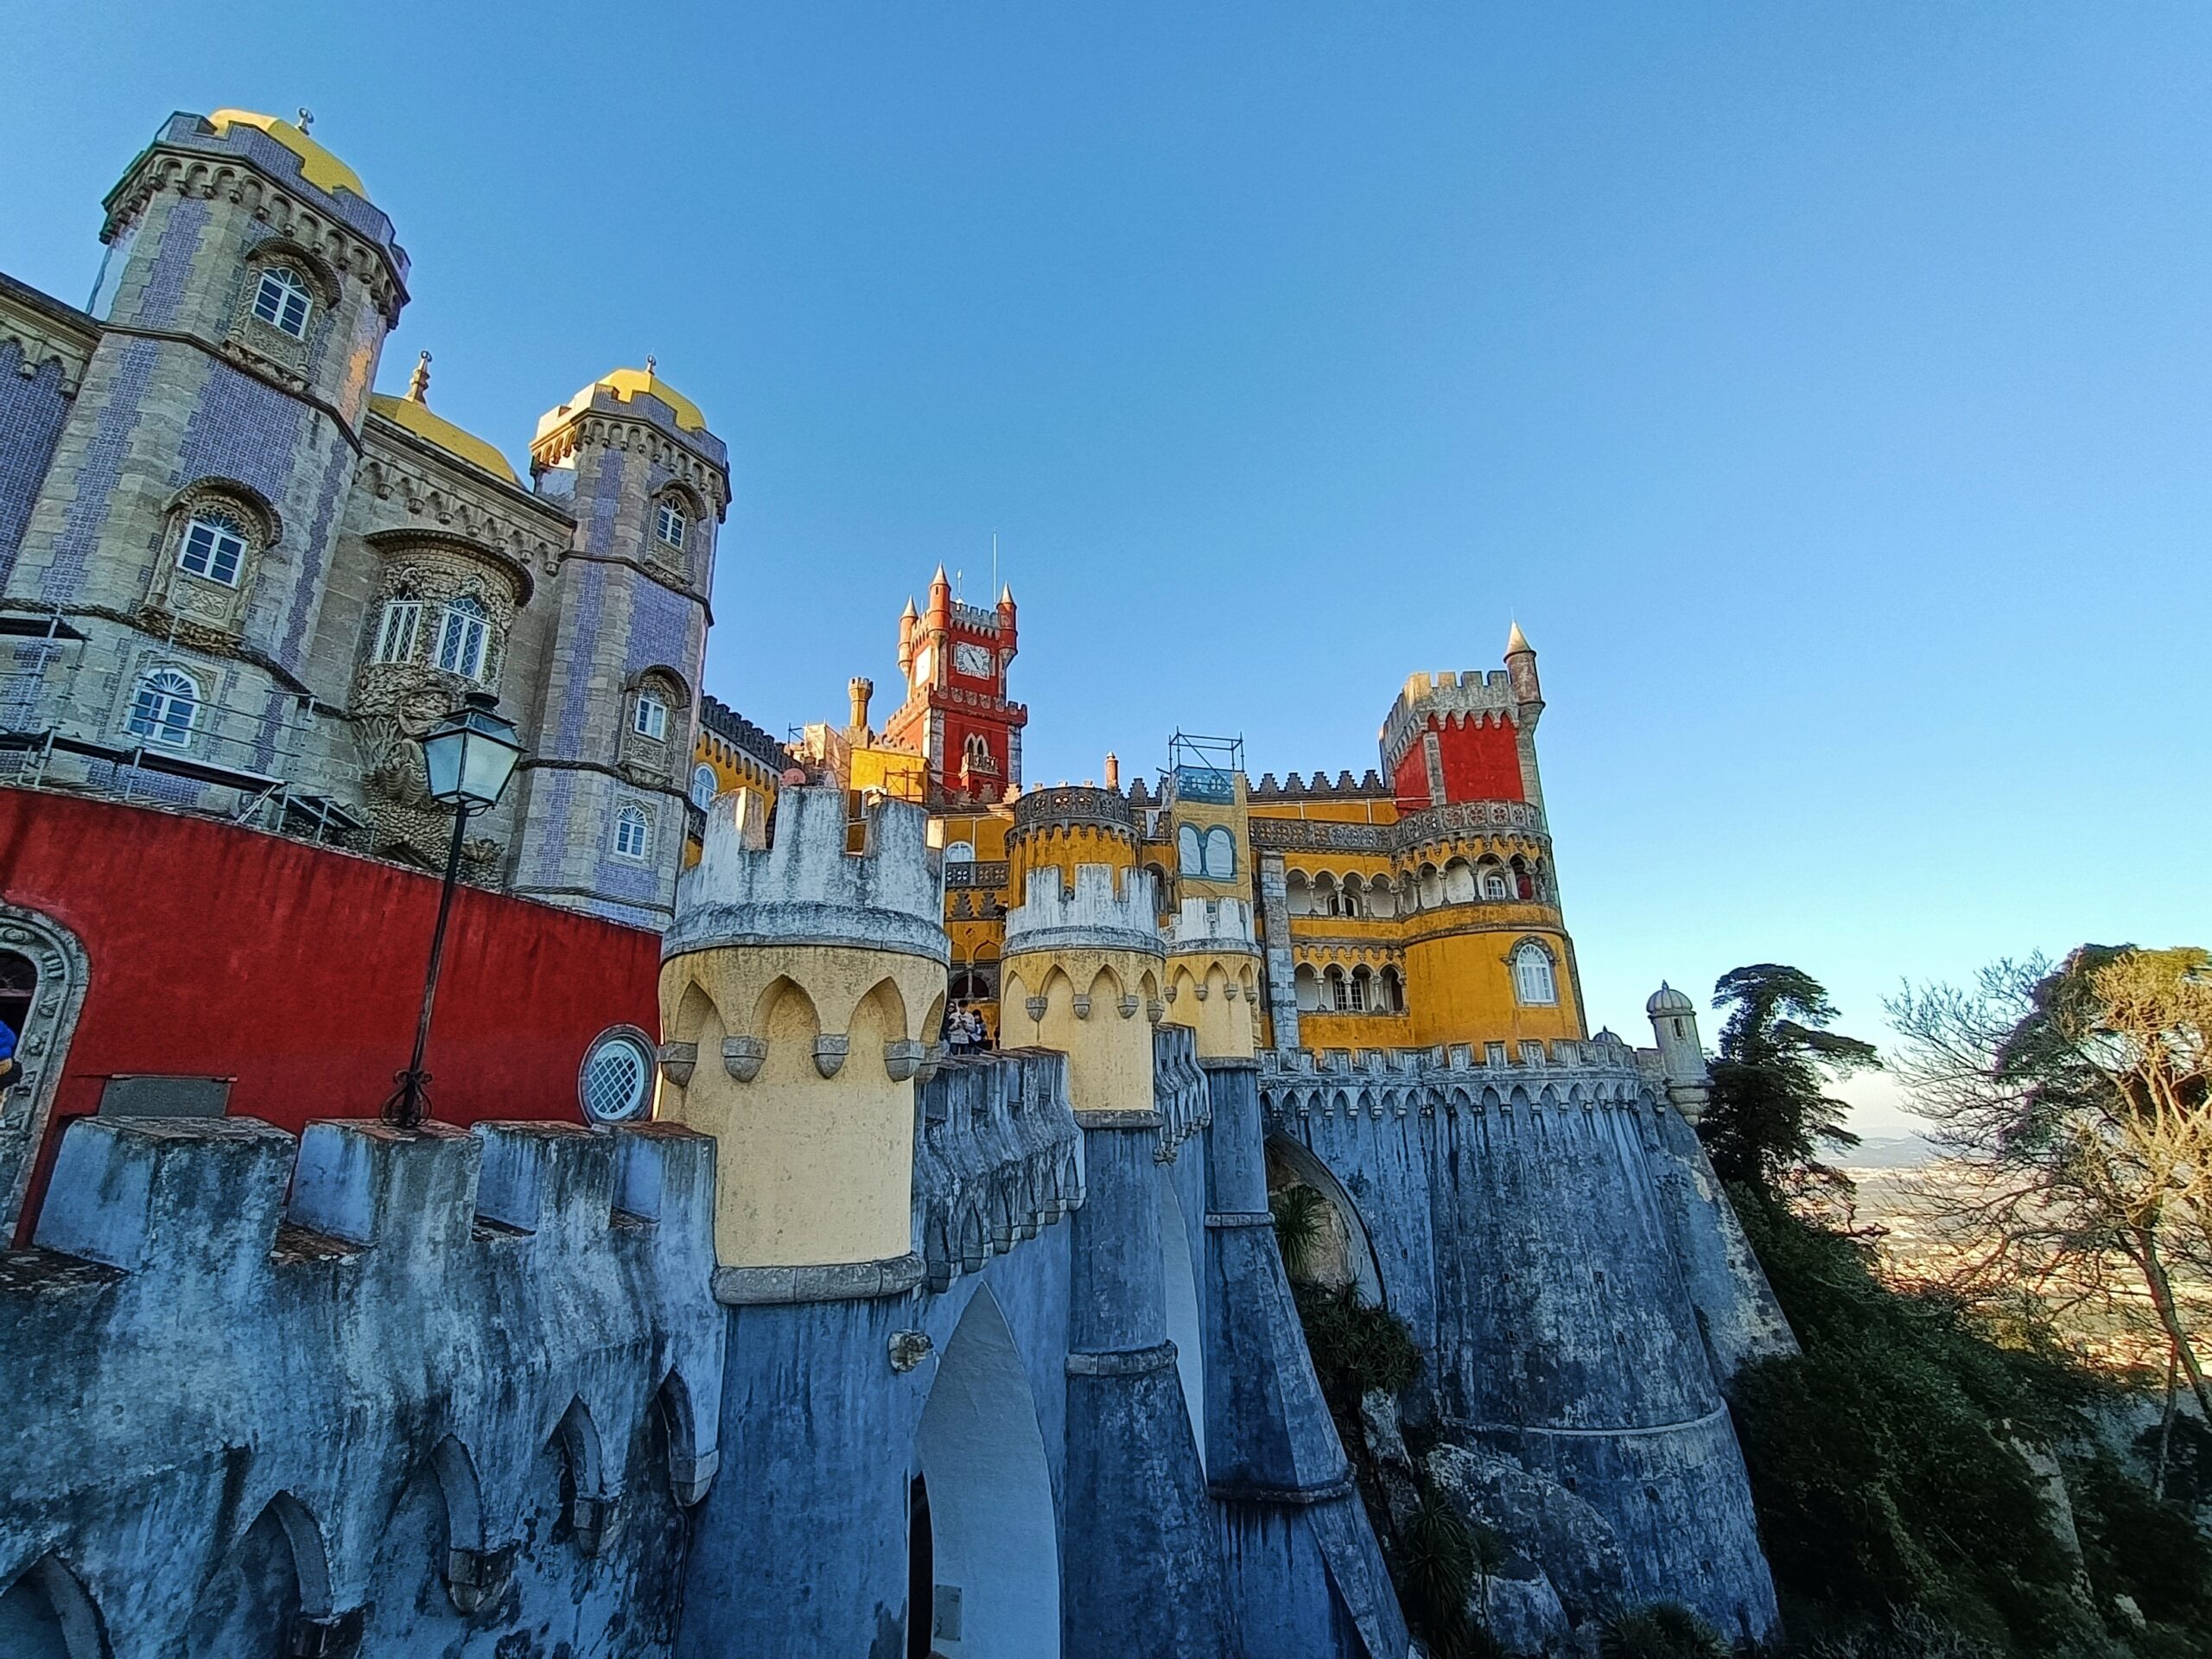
(957, 714)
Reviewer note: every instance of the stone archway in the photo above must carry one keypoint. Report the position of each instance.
(1344, 1255)
(44, 1014)
(995, 1573)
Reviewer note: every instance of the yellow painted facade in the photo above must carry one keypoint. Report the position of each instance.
(1418, 919)
(812, 1168)
(1096, 1010)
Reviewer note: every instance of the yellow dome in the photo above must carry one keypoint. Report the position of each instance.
(317, 165)
(436, 429)
(627, 383)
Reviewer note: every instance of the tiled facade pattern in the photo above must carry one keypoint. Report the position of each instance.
(176, 394)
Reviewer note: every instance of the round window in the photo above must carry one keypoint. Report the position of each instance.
(616, 1083)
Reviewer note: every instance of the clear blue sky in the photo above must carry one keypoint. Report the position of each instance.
(1825, 388)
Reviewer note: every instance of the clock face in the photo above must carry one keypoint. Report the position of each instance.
(972, 660)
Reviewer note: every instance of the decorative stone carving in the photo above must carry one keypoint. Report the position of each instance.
(1129, 1008)
(1082, 1001)
(678, 1061)
(902, 1058)
(909, 1348)
(742, 1057)
(1036, 1007)
(829, 1051)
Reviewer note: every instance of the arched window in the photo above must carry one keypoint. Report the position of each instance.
(1338, 995)
(1534, 983)
(1220, 854)
(1363, 986)
(705, 786)
(1327, 901)
(1391, 991)
(214, 547)
(633, 833)
(465, 638)
(1307, 985)
(282, 302)
(165, 708)
(1190, 851)
(649, 716)
(399, 632)
(669, 523)
(1355, 902)
(1494, 883)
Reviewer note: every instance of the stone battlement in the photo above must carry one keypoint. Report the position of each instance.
(1447, 697)
(997, 1158)
(1210, 924)
(1295, 787)
(1106, 909)
(384, 1360)
(1178, 1087)
(822, 878)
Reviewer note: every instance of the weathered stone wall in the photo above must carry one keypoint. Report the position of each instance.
(1554, 1236)
(451, 1397)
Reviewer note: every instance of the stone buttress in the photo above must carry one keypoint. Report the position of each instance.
(1143, 1567)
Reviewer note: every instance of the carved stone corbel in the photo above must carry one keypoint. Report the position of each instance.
(742, 1057)
(1083, 1005)
(474, 1577)
(1128, 1008)
(677, 1062)
(1036, 1007)
(902, 1057)
(829, 1051)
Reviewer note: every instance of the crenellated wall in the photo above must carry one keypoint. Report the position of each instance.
(1552, 1233)
(453, 1385)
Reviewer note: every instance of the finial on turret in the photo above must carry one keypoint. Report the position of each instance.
(652, 364)
(418, 384)
(1516, 642)
(305, 121)
(940, 579)
(909, 611)
(1006, 594)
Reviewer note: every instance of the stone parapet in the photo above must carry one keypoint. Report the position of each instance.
(1106, 910)
(1210, 925)
(825, 878)
(998, 1157)
(375, 1338)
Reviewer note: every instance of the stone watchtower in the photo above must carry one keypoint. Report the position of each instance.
(796, 988)
(631, 460)
(187, 524)
(1681, 1054)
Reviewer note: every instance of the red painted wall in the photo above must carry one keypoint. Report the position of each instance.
(1481, 757)
(217, 951)
(1482, 762)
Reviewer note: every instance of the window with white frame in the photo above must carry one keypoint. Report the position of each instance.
(1220, 854)
(165, 708)
(705, 786)
(1534, 983)
(669, 522)
(282, 302)
(1361, 985)
(633, 833)
(214, 547)
(400, 632)
(1494, 885)
(649, 718)
(464, 637)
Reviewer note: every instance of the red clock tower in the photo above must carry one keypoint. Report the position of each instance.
(957, 714)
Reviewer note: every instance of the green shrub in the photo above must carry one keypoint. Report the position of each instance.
(1358, 1348)
(1882, 1457)
(2135, 1546)
(1302, 1220)
(1663, 1631)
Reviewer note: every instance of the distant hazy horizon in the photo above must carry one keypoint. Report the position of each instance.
(1826, 389)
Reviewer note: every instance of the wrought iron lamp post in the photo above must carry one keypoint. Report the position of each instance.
(470, 755)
